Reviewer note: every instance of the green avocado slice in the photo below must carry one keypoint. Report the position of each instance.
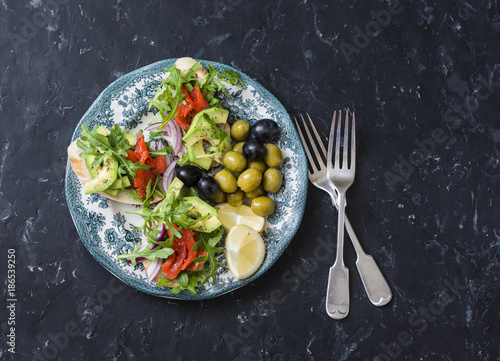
(121, 182)
(218, 115)
(201, 207)
(106, 175)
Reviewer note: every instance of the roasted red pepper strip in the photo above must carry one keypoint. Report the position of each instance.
(195, 102)
(143, 176)
(182, 122)
(199, 102)
(180, 255)
(132, 156)
(183, 254)
(194, 266)
(168, 263)
(142, 150)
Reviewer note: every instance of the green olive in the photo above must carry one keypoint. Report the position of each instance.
(220, 197)
(257, 192)
(240, 130)
(234, 161)
(273, 157)
(272, 180)
(236, 199)
(238, 147)
(262, 206)
(249, 180)
(257, 164)
(227, 181)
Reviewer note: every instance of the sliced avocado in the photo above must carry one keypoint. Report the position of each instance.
(218, 115)
(89, 159)
(111, 192)
(102, 130)
(197, 150)
(119, 182)
(197, 154)
(174, 187)
(201, 130)
(225, 147)
(94, 171)
(207, 225)
(198, 134)
(105, 176)
(131, 139)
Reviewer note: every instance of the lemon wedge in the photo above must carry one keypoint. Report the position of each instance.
(242, 215)
(245, 251)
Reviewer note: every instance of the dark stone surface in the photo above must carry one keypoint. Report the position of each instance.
(438, 224)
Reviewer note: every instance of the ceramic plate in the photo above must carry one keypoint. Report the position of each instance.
(106, 229)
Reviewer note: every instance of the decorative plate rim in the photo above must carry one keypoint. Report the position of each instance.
(82, 228)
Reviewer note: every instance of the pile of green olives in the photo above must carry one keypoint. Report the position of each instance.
(251, 167)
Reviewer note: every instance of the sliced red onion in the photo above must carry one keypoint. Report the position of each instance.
(169, 158)
(161, 236)
(159, 144)
(152, 126)
(154, 268)
(179, 137)
(174, 136)
(168, 175)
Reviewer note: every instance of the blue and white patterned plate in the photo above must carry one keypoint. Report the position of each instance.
(106, 229)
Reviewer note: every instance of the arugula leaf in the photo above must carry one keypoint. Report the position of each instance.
(175, 211)
(215, 79)
(171, 207)
(169, 95)
(186, 280)
(147, 253)
(216, 133)
(114, 145)
(209, 241)
(164, 151)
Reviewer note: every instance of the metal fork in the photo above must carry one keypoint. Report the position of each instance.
(342, 177)
(374, 283)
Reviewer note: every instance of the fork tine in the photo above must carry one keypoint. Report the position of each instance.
(353, 141)
(306, 148)
(329, 155)
(318, 138)
(346, 141)
(313, 144)
(337, 144)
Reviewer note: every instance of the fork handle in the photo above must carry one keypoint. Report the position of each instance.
(375, 285)
(337, 294)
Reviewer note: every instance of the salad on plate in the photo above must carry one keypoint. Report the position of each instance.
(202, 184)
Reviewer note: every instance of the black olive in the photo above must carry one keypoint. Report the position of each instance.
(252, 136)
(189, 175)
(207, 187)
(253, 149)
(264, 130)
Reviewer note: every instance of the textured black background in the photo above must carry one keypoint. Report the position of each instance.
(440, 222)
